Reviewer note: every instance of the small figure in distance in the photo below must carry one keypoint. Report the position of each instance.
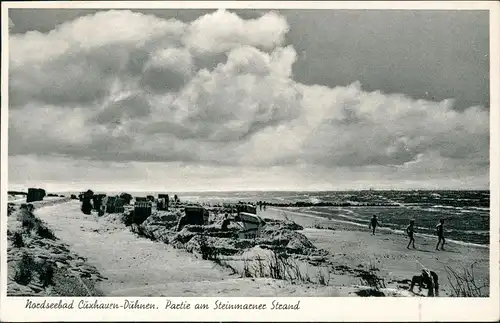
(440, 234)
(373, 223)
(410, 230)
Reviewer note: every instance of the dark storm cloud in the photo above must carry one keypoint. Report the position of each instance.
(76, 78)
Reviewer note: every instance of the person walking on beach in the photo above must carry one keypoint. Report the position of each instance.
(373, 223)
(440, 234)
(410, 229)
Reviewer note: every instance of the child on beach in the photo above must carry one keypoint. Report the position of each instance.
(440, 234)
(410, 229)
(373, 223)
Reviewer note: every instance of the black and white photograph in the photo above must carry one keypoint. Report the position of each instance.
(248, 152)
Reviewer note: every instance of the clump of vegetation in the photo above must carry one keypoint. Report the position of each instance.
(464, 282)
(18, 241)
(46, 273)
(208, 251)
(31, 223)
(278, 266)
(28, 220)
(10, 208)
(45, 232)
(28, 224)
(25, 269)
(370, 279)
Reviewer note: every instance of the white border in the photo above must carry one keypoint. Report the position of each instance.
(312, 309)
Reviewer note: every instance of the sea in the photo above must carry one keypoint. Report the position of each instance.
(466, 213)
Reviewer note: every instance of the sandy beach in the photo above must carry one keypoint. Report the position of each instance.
(352, 245)
(136, 266)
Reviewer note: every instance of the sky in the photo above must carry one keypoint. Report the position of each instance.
(195, 100)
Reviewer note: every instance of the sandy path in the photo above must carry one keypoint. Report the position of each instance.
(354, 245)
(139, 267)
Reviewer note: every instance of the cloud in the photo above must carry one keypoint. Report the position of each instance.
(127, 106)
(119, 86)
(79, 61)
(168, 70)
(223, 31)
(373, 128)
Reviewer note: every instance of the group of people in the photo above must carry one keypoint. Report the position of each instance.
(410, 231)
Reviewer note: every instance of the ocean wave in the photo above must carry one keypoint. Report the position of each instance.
(315, 200)
(440, 206)
(479, 208)
(363, 220)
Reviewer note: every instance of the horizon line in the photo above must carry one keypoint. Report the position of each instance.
(263, 190)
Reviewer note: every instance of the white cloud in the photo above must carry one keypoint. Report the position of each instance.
(223, 31)
(121, 86)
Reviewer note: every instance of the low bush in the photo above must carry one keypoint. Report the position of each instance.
(29, 223)
(46, 273)
(17, 240)
(208, 251)
(369, 278)
(24, 270)
(44, 232)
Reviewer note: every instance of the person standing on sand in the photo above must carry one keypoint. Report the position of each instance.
(440, 234)
(410, 230)
(373, 223)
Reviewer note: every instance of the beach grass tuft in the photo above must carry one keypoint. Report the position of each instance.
(464, 282)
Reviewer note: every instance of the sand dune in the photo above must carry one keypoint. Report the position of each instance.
(136, 266)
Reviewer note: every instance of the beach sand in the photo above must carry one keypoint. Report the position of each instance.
(353, 245)
(136, 266)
